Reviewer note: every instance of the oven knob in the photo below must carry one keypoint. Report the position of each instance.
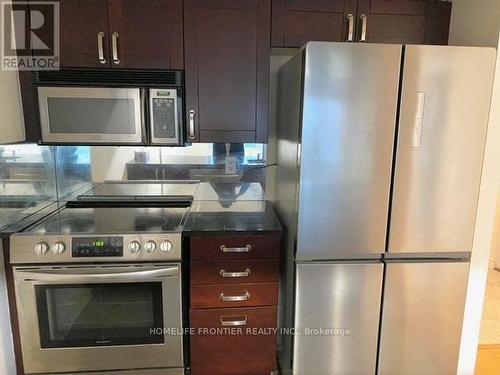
(134, 246)
(150, 246)
(41, 248)
(166, 246)
(58, 248)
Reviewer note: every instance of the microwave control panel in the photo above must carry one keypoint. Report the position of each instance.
(164, 120)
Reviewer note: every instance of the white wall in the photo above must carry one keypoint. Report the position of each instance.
(483, 235)
(475, 23)
(7, 363)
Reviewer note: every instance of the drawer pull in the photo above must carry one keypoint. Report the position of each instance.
(244, 249)
(244, 297)
(233, 322)
(245, 273)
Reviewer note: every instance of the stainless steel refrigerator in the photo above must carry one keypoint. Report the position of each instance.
(380, 150)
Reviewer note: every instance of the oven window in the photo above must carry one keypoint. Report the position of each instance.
(99, 314)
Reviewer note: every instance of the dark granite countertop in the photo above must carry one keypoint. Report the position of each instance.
(229, 216)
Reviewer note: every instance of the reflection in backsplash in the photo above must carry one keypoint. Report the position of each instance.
(27, 181)
(215, 163)
(33, 176)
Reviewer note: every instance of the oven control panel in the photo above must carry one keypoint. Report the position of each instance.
(86, 248)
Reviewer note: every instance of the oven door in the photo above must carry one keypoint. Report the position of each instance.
(91, 115)
(87, 318)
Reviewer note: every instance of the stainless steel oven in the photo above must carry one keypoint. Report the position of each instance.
(104, 115)
(100, 317)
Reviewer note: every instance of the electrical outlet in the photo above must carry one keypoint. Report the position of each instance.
(230, 165)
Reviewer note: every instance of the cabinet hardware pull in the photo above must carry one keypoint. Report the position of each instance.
(244, 249)
(245, 273)
(100, 47)
(191, 123)
(364, 28)
(350, 32)
(244, 297)
(114, 40)
(238, 321)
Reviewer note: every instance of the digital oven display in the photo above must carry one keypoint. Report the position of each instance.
(97, 247)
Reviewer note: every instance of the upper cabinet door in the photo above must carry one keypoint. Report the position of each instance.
(227, 69)
(146, 34)
(84, 34)
(391, 21)
(296, 22)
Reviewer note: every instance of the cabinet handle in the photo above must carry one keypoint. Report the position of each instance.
(233, 322)
(350, 32)
(243, 297)
(245, 273)
(100, 47)
(364, 28)
(191, 123)
(114, 41)
(244, 249)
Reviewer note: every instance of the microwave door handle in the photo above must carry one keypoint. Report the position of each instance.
(76, 276)
(144, 110)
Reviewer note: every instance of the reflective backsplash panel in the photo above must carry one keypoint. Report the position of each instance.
(27, 181)
(32, 176)
(215, 163)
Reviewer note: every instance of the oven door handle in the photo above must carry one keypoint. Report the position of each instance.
(94, 275)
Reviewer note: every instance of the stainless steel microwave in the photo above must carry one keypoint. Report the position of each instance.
(110, 115)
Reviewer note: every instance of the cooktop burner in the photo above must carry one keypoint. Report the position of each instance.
(111, 220)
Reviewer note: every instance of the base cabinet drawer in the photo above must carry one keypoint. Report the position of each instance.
(235, 247)
(234, 271)
(234, 295)
(233, 341)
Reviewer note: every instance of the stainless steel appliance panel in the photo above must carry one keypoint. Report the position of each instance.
(37, 359)
(422, 317)
(288, 110)
(350, 99)
(442, 129)
(91, 115)
(343, 298)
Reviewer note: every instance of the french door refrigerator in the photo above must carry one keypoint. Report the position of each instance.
(379, 157)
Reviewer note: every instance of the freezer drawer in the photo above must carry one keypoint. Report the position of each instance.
(343, 298)
(442, 130)
(422, 317)
(350, 97)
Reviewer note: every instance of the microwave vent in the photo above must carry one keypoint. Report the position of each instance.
(143, 78)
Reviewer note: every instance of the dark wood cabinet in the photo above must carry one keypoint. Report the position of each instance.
(83, 32)
(234, 285)
(227, 51)
(145, 34)
(251, 350)
(295, 22)
(392, 21)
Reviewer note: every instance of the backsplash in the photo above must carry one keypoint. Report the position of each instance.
(204, 162)
(27, 181)
(32, 176)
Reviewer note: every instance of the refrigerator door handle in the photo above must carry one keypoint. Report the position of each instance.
(419, 119)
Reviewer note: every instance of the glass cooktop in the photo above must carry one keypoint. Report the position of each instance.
(112, 220)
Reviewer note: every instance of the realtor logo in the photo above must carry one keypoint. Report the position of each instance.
(30, 35)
